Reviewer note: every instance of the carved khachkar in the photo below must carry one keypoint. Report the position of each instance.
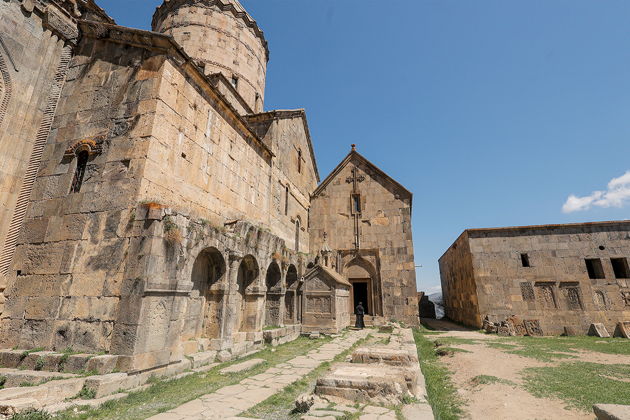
(546, 296)
(574, 301)
(625, 297)
(527, 291)
(600, 300)
(533, 328)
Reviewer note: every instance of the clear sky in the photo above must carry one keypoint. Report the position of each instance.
(492, 112)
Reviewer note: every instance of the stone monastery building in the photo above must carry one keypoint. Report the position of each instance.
(151, 208)
(550, 279)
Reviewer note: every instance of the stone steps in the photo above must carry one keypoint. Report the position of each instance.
(16, 378)
(50, 361)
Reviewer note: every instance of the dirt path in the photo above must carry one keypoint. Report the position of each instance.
(507, 399)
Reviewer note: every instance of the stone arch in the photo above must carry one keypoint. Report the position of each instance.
(273, 281)
(366, 286)
(247, 307)
(205, 306)
(291, 299)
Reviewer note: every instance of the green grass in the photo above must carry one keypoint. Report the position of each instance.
(454, 341)
(32, 415)
(442, 394)
(489, 380)
(271, 328)
(571, 344)
(165, 395)
(281, 404)
(3, 380)
(86, 394)
(580, 384)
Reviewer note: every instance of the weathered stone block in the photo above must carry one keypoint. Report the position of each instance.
(612, 412)
(202, 359)
(598, 330)
(102, 364)
(622, 330)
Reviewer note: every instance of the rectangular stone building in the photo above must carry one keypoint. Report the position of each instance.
(564, 276)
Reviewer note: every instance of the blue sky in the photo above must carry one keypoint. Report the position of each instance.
(491, 112)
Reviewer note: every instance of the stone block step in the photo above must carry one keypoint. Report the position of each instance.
(16, 377)
(387, 354)
(365, 383)
(57, 362)
(240, 367)
(612, 412)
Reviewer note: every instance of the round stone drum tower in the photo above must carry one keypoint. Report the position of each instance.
(223, 38)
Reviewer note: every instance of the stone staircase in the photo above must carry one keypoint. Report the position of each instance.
(386, 374)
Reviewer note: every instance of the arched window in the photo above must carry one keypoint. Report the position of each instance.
(297, 235)
(79, 173)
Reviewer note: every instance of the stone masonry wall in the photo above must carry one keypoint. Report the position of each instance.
(31, 38)
(555, 289)
(71, 257)
(458, 283)
(286, 134)
(386, 245)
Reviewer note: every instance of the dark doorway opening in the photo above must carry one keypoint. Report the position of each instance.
(360, 294)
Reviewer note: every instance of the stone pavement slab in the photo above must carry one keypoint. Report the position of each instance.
(229, 401)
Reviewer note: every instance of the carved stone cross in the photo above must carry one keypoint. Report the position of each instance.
(355, 179)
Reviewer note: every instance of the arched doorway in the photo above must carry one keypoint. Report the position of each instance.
(274, 295)
(291, 304)
(364, 289)
(205, 306)
(248, 272)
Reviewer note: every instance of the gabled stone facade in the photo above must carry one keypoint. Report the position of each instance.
(361, 226)
(565, 277)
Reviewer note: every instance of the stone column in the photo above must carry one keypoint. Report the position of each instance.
(231, 311)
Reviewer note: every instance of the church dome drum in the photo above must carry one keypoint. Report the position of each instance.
(222, 38)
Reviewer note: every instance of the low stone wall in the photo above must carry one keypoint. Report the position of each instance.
(54, 377)
(282, 335)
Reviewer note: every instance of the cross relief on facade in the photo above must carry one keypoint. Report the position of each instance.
(355, 179)
(355, 202)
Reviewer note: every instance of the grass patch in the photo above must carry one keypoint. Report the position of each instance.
(442, 394)
(3, 380)
(454, 341)
(271, 328)
(85, 394)
(571, 344)
(281, 405)
(165, 395)
(489, 380)
(580, 384)
(32, 415)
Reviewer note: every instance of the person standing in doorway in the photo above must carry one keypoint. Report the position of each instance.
(360, 312)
